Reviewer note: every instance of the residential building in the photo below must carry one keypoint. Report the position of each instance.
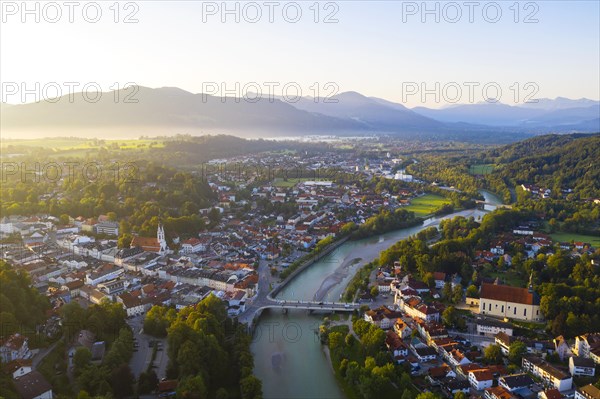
(588, 345)
(582, 366)
(550, 394)
(504, 340)
(193, 245)
(425, 354)
(33, 385)
(107, 227)
(550, 375)
(451, 386)
(481, 379)
(103, 273)
(587, 392)
(402, 329)
(382, 317)
(490, 327)
(18, 368)
(561, 347)
(396, 346)
(417, 309)
(14, 347)
(515, 382)
(498, 392)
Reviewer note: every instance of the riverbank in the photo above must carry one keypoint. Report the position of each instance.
(312, 258)
(303, 352)
(350, 292)
(336, 278)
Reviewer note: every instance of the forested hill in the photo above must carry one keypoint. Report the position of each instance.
(539, 145)
(187, 149)
(557, 162)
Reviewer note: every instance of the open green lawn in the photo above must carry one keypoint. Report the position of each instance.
(568, 237)
(426, 204)
(509, 277)
(484, 169)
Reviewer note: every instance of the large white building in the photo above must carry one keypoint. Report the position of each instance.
(509, 302)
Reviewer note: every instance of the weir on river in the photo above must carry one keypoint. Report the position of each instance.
(288, 356)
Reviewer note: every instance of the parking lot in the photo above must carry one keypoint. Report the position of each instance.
(142, 354)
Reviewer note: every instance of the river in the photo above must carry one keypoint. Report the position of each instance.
(288, 357)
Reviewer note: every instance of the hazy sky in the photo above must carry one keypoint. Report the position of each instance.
(378, 48)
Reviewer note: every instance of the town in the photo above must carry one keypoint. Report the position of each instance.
(469, 322)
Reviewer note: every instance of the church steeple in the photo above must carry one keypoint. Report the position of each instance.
(530, 285)
(160, 235)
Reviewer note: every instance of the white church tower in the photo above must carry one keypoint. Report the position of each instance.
(160, 235)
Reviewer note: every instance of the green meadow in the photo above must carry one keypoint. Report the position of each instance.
(426, 204)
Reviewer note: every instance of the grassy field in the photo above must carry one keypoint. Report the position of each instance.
(74, 144)
(426, 204)
(509, 277)
(484, 169)
(568, 237)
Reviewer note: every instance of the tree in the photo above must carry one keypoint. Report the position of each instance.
(447, 291)
(516, 351)
(457, 293)
(427, 395)
(361, 327)
(63, 219)
(8, 323)
(251, 388)
(350, 339)
(192, 388)
(429, 280)
(74, 318)
(221, 394)
(336, 340)
(460, 395)
(121, 381)
(214, 215)
(472, 291)
(493, 354)
(449, 316)
(81, 358)
(374, 291)
(373, 341)
(147, 382)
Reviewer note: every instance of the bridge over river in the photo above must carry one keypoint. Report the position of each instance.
(262, 302)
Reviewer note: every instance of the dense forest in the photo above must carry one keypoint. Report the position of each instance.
(362, 363)
(554, 162)
(208, 353)
(22, 307)
(557, 162)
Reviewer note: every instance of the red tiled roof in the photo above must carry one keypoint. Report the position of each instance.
(483, 375)
(507, 293)
(146, 243)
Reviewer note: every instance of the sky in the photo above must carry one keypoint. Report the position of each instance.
(389, 49)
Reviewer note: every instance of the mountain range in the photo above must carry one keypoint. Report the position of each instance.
(173, 110)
